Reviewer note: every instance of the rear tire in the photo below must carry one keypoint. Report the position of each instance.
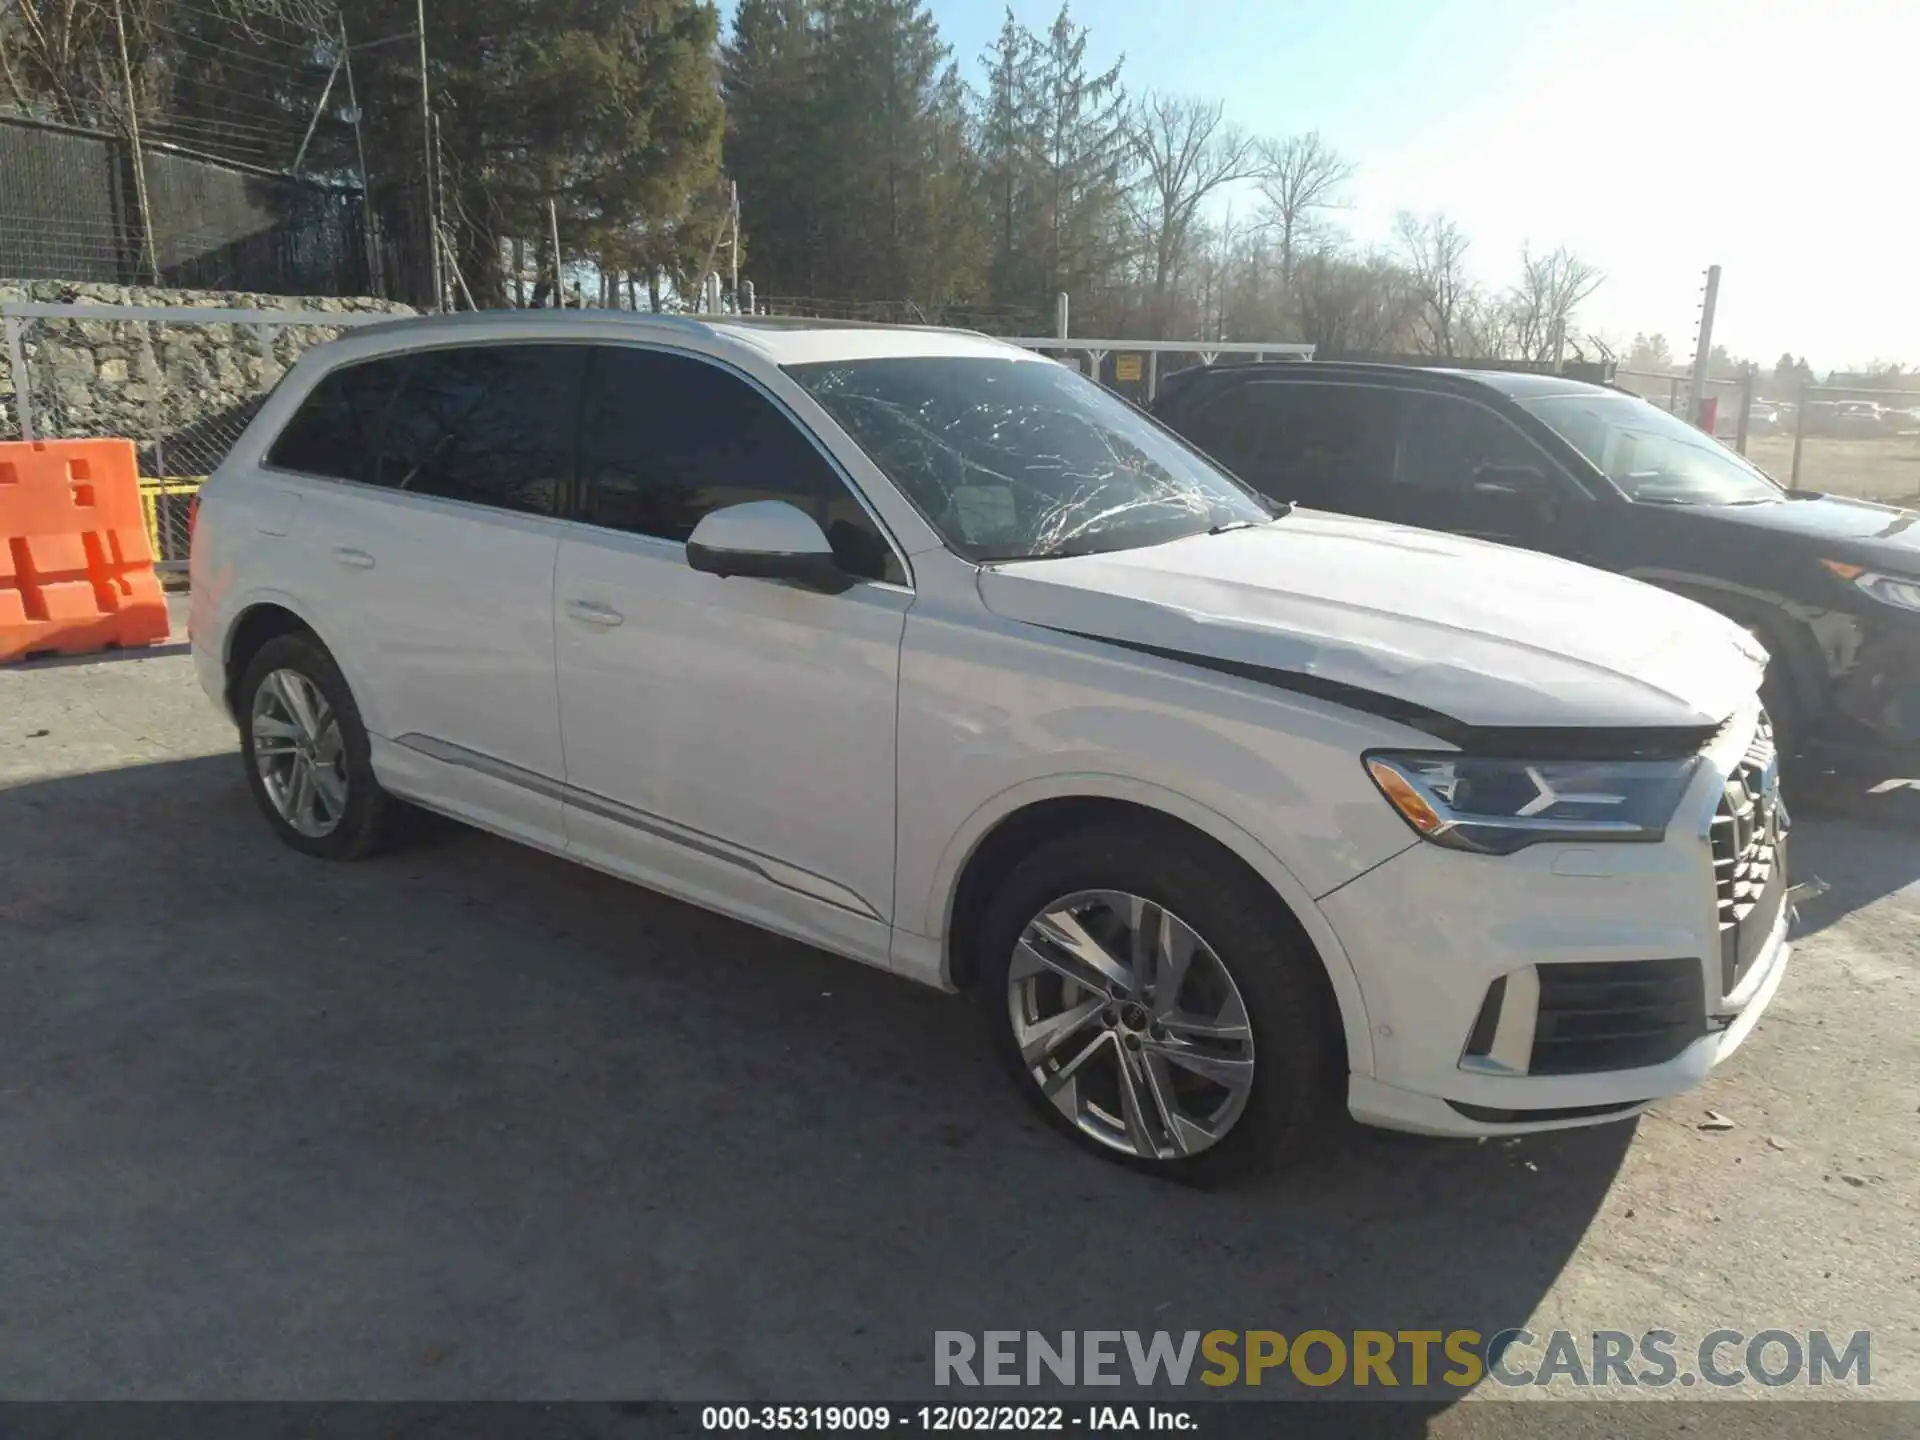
(306, 753)
(1219, 1070)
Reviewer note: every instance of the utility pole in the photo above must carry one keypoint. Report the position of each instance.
(426, 151)
(1703, 349)
(139, 150)
(559, 270)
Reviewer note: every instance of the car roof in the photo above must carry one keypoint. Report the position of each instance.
(1516, 384)
(782, 340)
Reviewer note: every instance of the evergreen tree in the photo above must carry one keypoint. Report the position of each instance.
(773, 147)
(607, 108)
(1011, 141)
(847, 131)
(1085, 165)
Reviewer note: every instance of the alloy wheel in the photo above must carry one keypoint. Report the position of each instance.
(1131, 1025)
(300, 753)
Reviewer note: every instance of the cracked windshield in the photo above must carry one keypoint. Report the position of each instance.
(1025, 460)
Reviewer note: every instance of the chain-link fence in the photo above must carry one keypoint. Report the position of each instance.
(1862, 441)
(988, 319)
(1729, 396)
(181, 382)
(69, 210)
(1132, 368)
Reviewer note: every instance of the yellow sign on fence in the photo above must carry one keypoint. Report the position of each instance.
(1126, 368)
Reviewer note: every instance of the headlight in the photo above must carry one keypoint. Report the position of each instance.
(1900, 591)
(1495, 807)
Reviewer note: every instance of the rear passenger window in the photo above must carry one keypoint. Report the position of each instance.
(1233, 428)
(491, 425)
(335, 432)
(665, 439)
(1330, 446)
(488, 424)
(1449, 442)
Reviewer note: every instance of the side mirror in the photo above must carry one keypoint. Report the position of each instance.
(766, 540)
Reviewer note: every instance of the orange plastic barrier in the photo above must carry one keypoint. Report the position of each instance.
(76, 566)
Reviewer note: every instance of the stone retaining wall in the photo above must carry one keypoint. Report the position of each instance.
(183, 388)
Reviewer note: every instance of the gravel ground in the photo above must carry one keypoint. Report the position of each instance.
(468, 1121)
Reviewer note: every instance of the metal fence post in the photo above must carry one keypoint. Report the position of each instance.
(17, 365)
(1799, 435)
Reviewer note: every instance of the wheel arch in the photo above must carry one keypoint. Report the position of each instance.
(267, 617)
(1009, 827)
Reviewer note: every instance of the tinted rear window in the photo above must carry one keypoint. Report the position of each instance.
(334, 433)
(1321, 444)
(488, 424)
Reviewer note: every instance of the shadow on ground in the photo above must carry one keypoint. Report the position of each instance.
(1862, 861)
(470, 1121)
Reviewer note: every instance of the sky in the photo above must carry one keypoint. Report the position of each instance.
(1654, 138)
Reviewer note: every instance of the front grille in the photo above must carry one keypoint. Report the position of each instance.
(1749, 858)
(1616, 1015)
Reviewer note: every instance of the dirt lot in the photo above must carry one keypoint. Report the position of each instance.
(1887, 469)
(468, 1121)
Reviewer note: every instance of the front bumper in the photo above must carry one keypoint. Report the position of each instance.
(1497, 988)
(1876, 697)
(1486, 1105)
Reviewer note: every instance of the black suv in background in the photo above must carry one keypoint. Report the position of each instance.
(1830, 585)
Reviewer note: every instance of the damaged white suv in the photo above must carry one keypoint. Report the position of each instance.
(923, 649)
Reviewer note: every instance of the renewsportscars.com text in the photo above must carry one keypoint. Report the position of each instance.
(1393, 1358)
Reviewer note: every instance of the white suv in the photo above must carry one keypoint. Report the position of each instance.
(922, 649)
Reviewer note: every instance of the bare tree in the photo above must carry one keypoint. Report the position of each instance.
(1185, 151)
(1434, 250)
(61, 58)
(1354, 304)
(58, 57)
(1541, 305)
(1300, 176)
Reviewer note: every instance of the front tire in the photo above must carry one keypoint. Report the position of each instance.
(1156, 1005)
(306, 753)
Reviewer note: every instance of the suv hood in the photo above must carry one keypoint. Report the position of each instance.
(1480, 633)
(1884, 534)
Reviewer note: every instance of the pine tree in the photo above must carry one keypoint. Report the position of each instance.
(773, 148)
(607, 108)
(847, 132)
(1085, 164)
(1011, 139)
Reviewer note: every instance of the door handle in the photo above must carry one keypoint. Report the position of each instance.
(353, 559)
(588, 613)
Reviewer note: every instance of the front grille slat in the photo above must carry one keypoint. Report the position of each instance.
(1748, 875)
